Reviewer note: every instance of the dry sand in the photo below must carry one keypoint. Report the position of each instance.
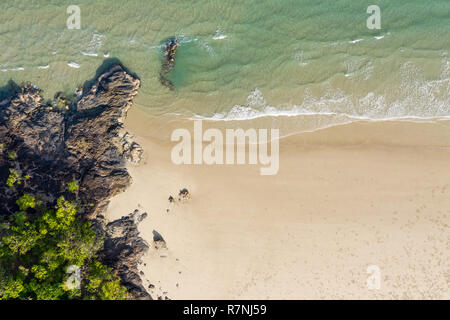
(344, 198)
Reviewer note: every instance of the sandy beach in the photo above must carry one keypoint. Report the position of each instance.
(345, 198)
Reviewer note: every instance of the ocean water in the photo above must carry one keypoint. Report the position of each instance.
(302, 65)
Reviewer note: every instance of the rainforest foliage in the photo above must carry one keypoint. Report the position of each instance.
(51, 253)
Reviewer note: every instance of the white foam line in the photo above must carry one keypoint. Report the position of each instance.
(73, 65)
(286, 114)
(350, 120)
(220, 37)
(263, 115)
(89, 54)
(356, 41)
(43, 67)
(379, 37)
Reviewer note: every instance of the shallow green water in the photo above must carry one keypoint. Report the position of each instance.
(244, 59)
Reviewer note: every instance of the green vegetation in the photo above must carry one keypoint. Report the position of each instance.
(72, 186)
(12, 155)
(51, 254)
(26, 201)
(13, 178)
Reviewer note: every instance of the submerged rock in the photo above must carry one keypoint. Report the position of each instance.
(168, 62)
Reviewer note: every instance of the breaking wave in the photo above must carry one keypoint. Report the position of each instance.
(415, 99)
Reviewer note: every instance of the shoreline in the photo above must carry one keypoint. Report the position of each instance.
(345, 198)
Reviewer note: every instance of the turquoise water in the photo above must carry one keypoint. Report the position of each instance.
(314, 62)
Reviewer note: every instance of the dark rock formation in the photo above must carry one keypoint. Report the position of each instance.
(184, 194)
(132, 151)
(94, 134)
(158, 240)
(48, 147)
(168, 63)
(123, 250)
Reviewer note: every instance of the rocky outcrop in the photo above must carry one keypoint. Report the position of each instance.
(183, 195)
(47, 147)
(94, 134)
(124, 248)
(132, 151)
(158, 240)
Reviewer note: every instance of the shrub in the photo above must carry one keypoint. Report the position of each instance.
(26, 201)
(13, 178)
(72, 186)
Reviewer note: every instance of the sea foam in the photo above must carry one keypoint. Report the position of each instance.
(415, 99)
(73, 65)
(219, 35)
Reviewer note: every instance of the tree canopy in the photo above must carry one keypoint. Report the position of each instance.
(51, 253)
